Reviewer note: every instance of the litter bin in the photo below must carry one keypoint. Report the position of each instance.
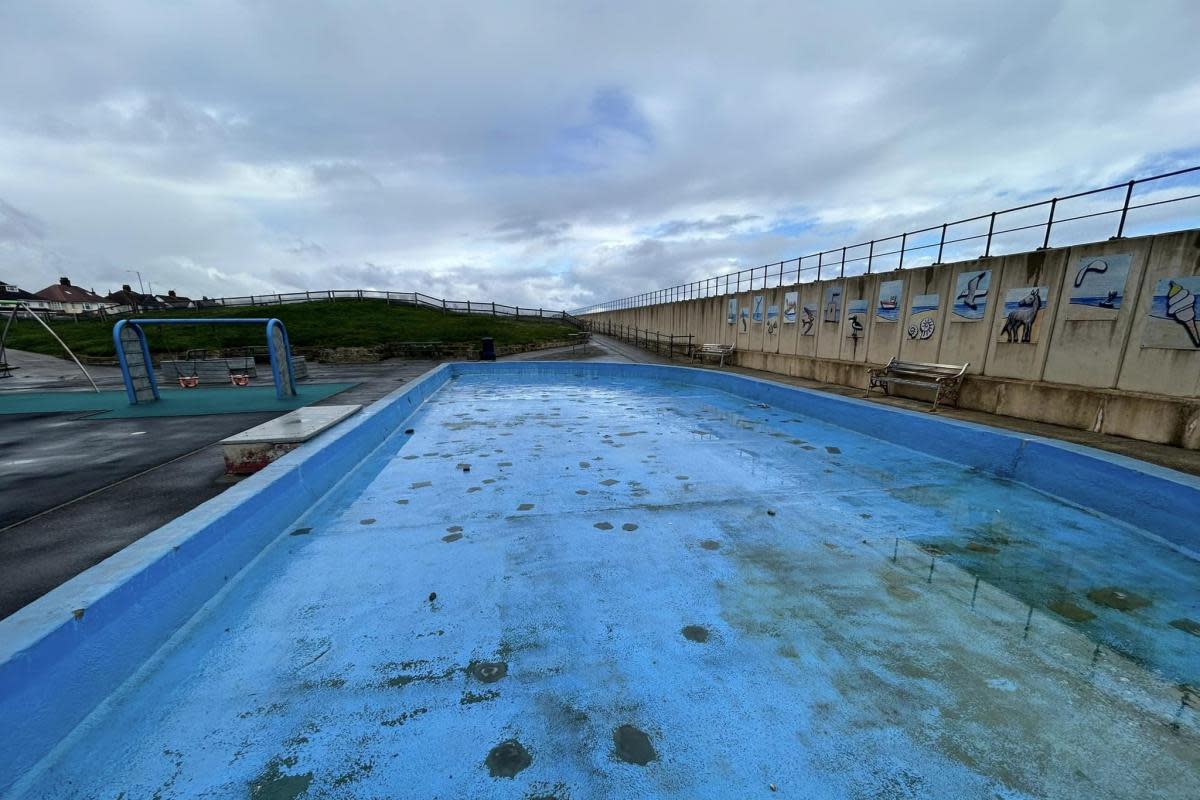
(489, 349)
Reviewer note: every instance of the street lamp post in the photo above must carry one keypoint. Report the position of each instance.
(141, 288)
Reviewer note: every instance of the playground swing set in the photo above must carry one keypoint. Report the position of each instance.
(137, 368)
(6, 370)
(141, 386)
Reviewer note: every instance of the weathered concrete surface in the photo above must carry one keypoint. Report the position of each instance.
(1148, 369)
(796, 643)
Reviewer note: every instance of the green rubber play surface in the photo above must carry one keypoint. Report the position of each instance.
(174, 402)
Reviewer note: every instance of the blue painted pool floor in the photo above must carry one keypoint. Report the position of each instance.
(771, 600)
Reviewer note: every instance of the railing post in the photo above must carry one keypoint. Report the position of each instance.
(820, 259)
(1124, 211)
(941, 243)
(870, 256)
(903, 242)
(842, 269)
(987, 251)
(781, 273)
(1049, 224)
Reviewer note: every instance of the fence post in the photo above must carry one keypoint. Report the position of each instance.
(870, 256)
(842, 269)
(941, 243)
(443, 305)
(987, 251)
(820, 260)
(493, 308)
(903, 242)
(1049, 224)
(1124, 211)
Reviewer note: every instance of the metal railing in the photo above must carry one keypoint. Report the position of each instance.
(415, 299)
(833, 263)
(660, 343)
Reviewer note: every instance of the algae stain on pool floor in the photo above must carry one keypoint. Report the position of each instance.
(612, 664)
(507, 759)
(633, 746)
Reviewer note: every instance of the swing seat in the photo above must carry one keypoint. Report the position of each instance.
(186, 382)
(239, 380)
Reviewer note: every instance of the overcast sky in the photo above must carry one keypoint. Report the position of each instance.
(552, 153)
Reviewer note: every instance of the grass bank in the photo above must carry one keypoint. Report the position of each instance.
(345, 323)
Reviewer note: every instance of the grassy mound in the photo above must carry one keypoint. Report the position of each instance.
(346, 323)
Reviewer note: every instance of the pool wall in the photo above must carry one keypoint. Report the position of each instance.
(62, 655)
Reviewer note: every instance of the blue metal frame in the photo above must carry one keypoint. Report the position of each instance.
(287, 349)
(282, 390)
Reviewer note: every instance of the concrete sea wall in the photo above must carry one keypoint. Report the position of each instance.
(1113, 347)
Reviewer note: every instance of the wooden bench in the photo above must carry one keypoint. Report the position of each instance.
(944, 379)
(718, 351)
(421, 349)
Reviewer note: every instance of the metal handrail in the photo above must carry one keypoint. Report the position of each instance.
(641, 337)
(415, 299)
(712, 286)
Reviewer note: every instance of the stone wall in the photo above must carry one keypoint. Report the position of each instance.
(1110, 348)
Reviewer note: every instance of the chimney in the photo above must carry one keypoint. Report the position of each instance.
(64, 281)
(125, 288)
(170, 293)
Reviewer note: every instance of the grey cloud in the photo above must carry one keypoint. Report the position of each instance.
(526, 229)
(720, 224)
(18, 226)
(306, 249)
(531, 164)
(342, 174)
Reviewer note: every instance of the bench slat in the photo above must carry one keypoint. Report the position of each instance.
(944, 379)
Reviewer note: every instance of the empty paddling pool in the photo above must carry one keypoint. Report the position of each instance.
(611, 580)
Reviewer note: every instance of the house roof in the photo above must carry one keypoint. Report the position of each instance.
(10, 292)
(128, 297)
(174, 300)
(66, 293)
